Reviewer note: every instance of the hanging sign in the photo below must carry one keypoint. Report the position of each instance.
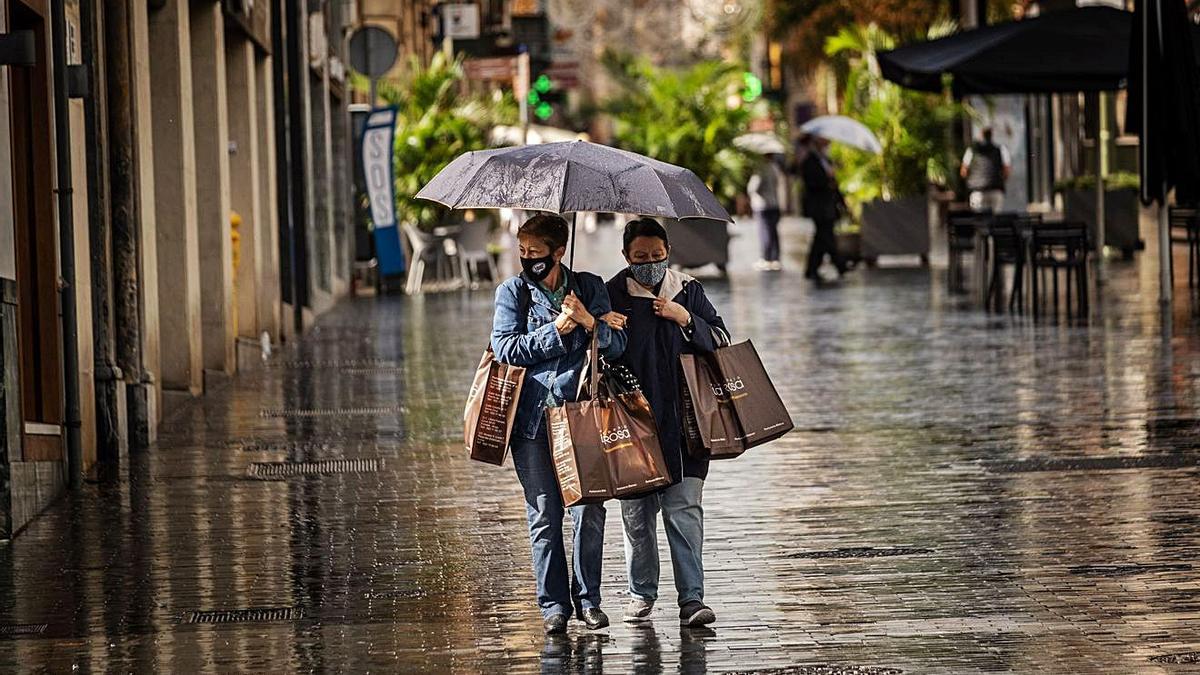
(376, 154)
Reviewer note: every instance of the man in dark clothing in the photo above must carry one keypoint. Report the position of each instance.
(823, 203)
(986, 167)
(664, 314)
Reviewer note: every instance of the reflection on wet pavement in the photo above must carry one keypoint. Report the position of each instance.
(962, 493)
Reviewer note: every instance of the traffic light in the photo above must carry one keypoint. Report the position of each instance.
(753, 89)
(544, 96)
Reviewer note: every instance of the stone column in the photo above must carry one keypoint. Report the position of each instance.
(218, 316)
(270, 306)
(244, 183)
(175, 208)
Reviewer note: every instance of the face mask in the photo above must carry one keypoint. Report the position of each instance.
(649, 274)
(538, 268)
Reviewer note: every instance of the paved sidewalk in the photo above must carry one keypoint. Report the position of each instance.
(963, 493)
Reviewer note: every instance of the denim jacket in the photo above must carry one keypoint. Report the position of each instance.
(552, 362)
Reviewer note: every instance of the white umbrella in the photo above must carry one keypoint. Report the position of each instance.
(761, 143)
(843, 130)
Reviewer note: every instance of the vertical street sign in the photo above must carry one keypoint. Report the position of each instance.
(376, 157)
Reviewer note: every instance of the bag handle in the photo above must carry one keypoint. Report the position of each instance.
(593, 362)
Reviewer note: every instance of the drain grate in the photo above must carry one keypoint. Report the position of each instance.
(1185, 657)
(261, 445)
(270, 470)
(22, 629)
(1037, 464)
(246, 615)
(860, 552)
(819, 669)
(342, 364)
(332, 412)
(1128, 570)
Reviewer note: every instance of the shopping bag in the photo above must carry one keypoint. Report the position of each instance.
(729, 403)
(491, 409)
(759, 409)
(710, 426)
(606, 445)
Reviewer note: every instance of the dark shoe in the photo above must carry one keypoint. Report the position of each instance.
(696, 613)
(555, 624)
(593, 618)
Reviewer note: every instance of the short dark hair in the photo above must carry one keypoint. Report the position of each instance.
(551, 228)
(644, 227)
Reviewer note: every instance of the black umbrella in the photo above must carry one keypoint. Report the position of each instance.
(1164, 101)
(1075, 50)
(570, 177)
(1164, 109)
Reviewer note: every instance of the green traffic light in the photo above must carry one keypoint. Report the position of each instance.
(754, 87)
(542, 84)
(544, 111)
(533, 98)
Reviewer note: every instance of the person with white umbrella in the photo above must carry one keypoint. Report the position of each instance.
(823, 203)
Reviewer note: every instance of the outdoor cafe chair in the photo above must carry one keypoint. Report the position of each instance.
(1007, 246)
(472, 242)
(1056, 247)
(960, 233)
(1188, 219)
(436, 248)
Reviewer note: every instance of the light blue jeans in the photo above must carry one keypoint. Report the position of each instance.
(544, 511)
(683, 517)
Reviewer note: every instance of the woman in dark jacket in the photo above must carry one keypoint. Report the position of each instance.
(664, 313)
(544, 322)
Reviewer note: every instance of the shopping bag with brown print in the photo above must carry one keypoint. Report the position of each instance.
(606, 445)
(491, 409)
(710, 424)
(760, 412)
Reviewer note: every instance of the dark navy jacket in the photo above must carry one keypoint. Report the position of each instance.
(652, 349)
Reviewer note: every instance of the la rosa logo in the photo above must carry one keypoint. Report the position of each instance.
(730, 386)
(615, 435)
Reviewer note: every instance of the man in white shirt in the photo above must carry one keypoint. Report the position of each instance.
(986, 167)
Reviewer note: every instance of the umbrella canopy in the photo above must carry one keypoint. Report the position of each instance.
(761, 143)
(843, 130)
(1164, 101)
(1083, 49)
(570, 177)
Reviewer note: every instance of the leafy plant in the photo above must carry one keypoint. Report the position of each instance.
(1113, 181)
(913, 127)
(686, 117)
(436, 122)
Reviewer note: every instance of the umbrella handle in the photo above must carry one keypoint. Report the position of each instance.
(574, 219)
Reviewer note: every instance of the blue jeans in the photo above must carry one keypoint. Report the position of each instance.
(544, 509)
(683, 517)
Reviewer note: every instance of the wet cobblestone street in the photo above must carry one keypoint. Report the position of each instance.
(963, 493)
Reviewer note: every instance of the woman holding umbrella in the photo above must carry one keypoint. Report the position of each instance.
(544, 321)
(664, 314)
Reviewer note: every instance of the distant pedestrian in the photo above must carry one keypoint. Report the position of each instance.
(823, 203)
(767, 190)
(543, 321)
(986, 167)
(664, 314)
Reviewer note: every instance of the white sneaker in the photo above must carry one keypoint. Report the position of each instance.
(776, 266)
(637, 610)
(762, 266)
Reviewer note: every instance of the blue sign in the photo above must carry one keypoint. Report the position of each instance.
(376, 155)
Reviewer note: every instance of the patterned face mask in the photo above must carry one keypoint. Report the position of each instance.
(649, 274)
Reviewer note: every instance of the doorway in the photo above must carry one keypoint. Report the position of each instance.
(39, 340)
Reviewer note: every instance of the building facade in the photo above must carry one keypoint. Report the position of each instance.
(174, 186)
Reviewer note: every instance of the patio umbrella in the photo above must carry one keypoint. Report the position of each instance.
(1067, 51)
(570, 177)
(761, 143)
(1164, 96)
(843, 130)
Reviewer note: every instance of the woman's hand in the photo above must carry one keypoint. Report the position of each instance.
(615, 320)
(565, 324)
(574, 309)
(672, 311)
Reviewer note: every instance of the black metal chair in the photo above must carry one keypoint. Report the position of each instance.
(1187, 219)
(1004, 231)
(960, 233)
(1055, 247)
